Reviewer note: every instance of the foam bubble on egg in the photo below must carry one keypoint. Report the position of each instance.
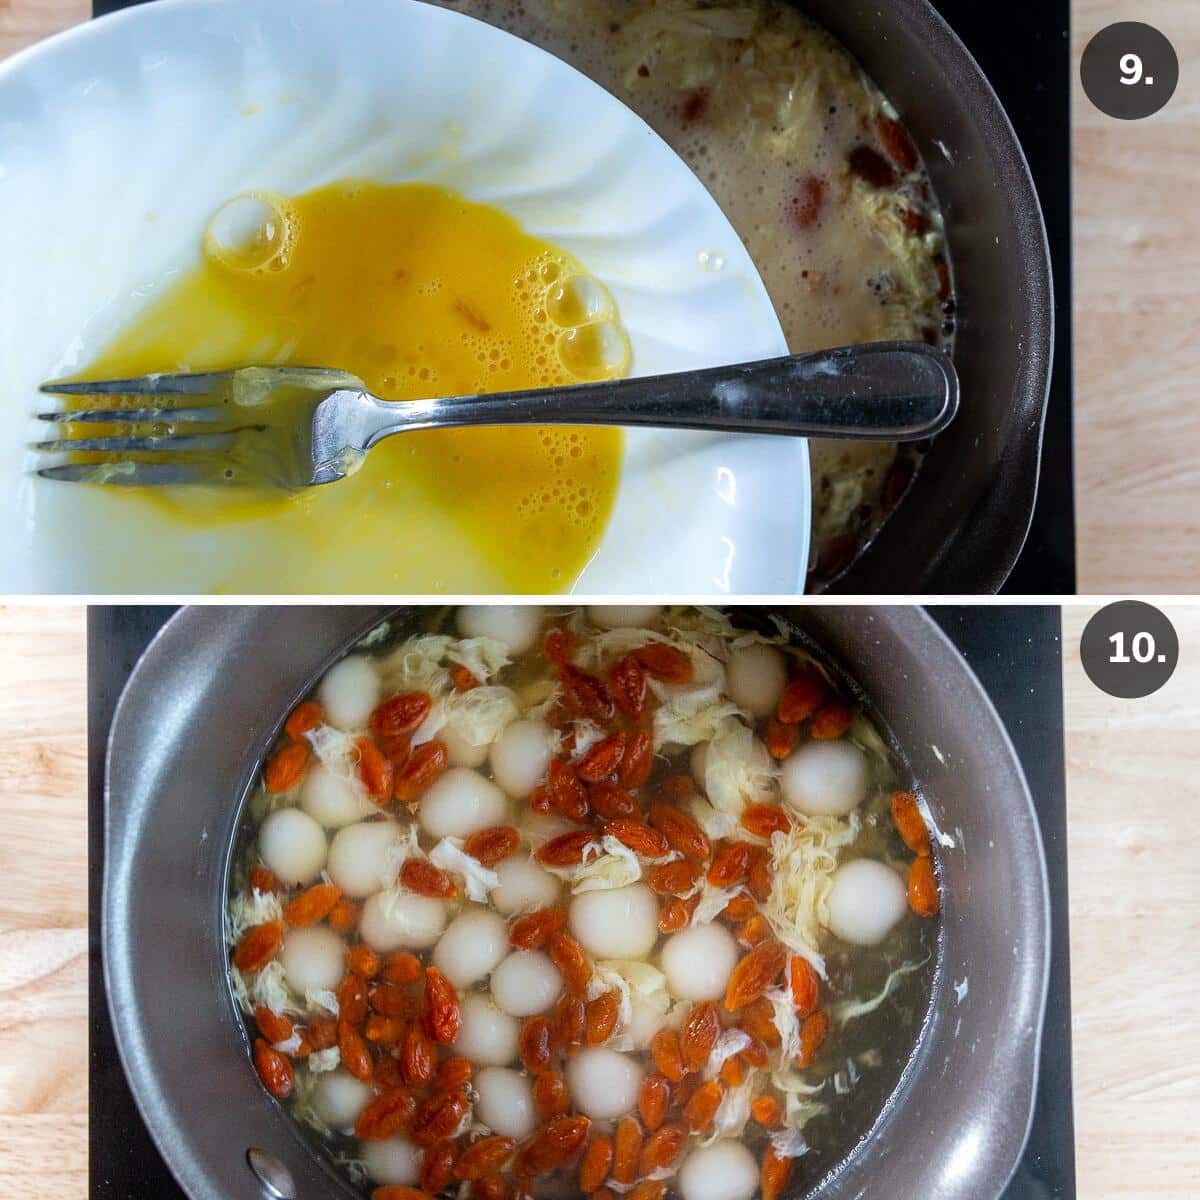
(460, 750)
(349, 693)
(697, 962)
(866, 900)
(293, 845)
(393, 1160)
(332, 799)
(313, 959)
(487, 1036)
(505, 1103)
(401, 921)
(338, 1098)
(825, 778)
(756, 676)
(724, 1170)
(361, 857)
(624, 616)
(525, 983)
(473, 945)
(460, 803)
(604, 1083)
(520, 757)
(524, 885)
(518, 626)
(617, 923)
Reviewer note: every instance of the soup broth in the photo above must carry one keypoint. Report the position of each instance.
(536, 902)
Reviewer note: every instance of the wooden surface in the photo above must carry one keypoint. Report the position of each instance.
(1134, 847)
(1137, 323)
(1137, 356)
(43, 904)
(1134, 878)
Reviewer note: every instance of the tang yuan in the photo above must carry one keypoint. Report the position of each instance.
(671, 894)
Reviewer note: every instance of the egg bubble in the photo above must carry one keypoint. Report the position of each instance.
(349, 693)
(293, 845)
(599, 351)
(401, 921)
(474, 943)
(332, 799)
(505, 1103)
(487, 1036)
(524, 885)
(338, 1098)
(579, 300)
(725, 1170)
(518, 626)
(698, 962)
(825, 778)
(756, 676)
(625, 616)
(525, 983)
(253, 231)
(361, 857)
(461, 802)
(617, 923)
(604, 1083)
(313, 959)
(394, 1160)
(521, 755)
(866, 900)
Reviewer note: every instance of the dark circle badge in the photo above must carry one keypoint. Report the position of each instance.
(1129, 70)
(1129, 649)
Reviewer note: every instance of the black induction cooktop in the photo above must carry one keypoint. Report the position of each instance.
(1024, 50)
(1015, 652)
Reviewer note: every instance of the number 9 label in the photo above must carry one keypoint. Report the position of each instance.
(1129, 70)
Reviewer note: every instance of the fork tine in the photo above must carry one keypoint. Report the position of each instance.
(197, 384)
(208, 413)
(202, 443)
(131, 474)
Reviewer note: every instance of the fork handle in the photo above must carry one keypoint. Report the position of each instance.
(886, 391)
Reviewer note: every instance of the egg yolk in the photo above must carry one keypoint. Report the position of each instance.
(418, 292)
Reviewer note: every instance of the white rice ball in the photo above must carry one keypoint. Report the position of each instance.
(472, 946)
(338, 1098)
(521, 756)
(401, 921)
(826, 778)
(618, 923)
(362, 857)
(505, 1103)
(540, 828)
(604, 1083)
(332, 799)
(394, 1160)
(313, 959)
(525, 983)
(866, 900)
(350, 693)
(460, 803)
(293, 845)
(624, 616)
(698, 962)
(646, 1018)
(487, 1036)
(756, 675)
(724, 1170)
(518, 626)
(524, 885)
(460, 751)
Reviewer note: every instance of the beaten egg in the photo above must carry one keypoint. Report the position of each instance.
(419, 292)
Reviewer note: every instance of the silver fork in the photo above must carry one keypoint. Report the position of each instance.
(294, 427)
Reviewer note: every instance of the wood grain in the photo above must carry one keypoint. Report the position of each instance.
(1134, 877)
(23, 22)
(1137, 323)
(43, 903)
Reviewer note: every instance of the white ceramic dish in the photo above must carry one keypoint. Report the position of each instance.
(119, 139)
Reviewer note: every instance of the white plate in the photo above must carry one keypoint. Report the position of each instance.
(119, 139)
